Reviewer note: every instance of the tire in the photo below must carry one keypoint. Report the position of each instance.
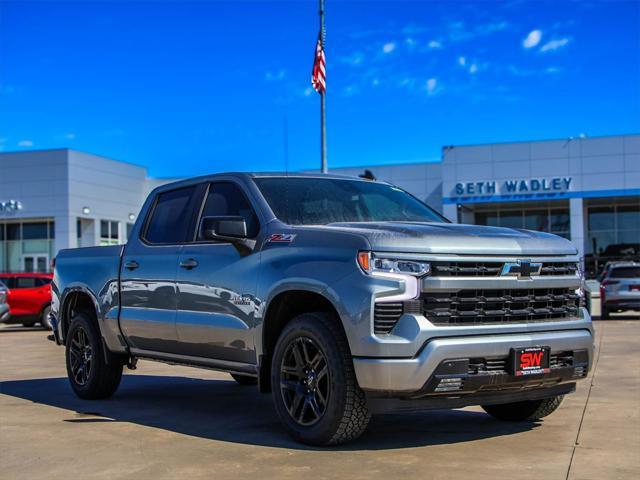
(28, 324)
(244, 380)
(330, 408)
(90, 376)
(530, 410)
(44, 318)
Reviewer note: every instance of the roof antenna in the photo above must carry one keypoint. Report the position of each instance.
(285, 150)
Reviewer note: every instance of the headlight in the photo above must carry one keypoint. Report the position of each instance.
(371, 264)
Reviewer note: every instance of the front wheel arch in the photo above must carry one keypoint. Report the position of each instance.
(283, 308)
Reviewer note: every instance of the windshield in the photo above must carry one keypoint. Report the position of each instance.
(320, 201)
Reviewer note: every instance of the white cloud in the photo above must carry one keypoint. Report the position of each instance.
(275, 76)
(432, 85)
(375, 82)
(388, 47)
(554, 45)
(553, 70)
(25, 143)
(411, 42)
(307, 91)
(355, 59)
(350, 90)
(532, 39)
(435, 44)
(473, 68)
(70, 136)
(462, 61)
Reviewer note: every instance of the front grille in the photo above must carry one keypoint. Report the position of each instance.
(487, 365)
(486, 307)
(559, 268)
(493, 269)
(385, 317)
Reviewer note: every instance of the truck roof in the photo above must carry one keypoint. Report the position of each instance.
(248, 175)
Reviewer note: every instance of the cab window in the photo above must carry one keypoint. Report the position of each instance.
(171, 216)
(227, 199)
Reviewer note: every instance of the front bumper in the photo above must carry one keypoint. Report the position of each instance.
(402, 376)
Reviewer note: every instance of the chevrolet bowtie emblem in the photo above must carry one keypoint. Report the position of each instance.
(523, 269)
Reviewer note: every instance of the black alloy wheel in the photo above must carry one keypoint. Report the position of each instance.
(80, 356)
(315, 391)
(304, 381)
(93, 371)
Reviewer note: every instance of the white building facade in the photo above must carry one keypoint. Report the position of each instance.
(54, 199)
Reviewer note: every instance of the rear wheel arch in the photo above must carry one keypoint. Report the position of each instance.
(283, 308)
(77, 300)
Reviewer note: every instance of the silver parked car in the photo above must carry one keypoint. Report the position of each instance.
(4, 306)
(620, 288)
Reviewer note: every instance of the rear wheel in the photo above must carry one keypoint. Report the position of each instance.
(244, 379)
(44, 318)
(91, 377)
(28, 324)
(314, 386)
(530, 410)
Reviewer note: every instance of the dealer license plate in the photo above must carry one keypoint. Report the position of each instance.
(530, 361)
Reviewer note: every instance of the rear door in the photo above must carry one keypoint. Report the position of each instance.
(216, 285)
(148, 273)
(26, 295)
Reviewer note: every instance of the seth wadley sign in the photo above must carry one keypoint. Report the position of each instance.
(513, 187)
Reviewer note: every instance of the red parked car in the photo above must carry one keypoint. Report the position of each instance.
(29, 298)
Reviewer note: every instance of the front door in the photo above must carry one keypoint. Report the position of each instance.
(216, 286)
(148, 274)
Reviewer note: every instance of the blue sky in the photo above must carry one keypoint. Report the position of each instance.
(187, 88)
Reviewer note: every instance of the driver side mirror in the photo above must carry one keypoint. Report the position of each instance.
(228, 229)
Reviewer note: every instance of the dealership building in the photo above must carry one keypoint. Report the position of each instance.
(584, 189)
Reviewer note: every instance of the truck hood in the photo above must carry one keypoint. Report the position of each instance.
(453, 238)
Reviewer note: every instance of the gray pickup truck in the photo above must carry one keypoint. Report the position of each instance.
(343, 297)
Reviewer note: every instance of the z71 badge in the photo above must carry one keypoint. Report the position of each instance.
(282, 237)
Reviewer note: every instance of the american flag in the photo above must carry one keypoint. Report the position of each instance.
(318, 75)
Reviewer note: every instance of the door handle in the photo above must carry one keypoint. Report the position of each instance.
(189, 263)
(131, 265)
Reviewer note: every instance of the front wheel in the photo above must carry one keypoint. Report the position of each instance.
(90, 375)
(314, 385)
(529, 410)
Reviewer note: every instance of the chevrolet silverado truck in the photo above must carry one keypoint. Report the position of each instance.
(343, 297)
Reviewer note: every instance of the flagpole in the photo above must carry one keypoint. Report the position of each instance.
(323, 128)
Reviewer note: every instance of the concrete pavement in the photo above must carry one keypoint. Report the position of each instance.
(174, 422)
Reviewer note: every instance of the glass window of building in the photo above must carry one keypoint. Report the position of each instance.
(26, 246)
(613, 227)
(109, 233)
(553, 218)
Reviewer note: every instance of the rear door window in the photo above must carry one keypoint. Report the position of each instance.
(25, 282)
(171, 217)
(625, 272)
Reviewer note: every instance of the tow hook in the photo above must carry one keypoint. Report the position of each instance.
(132, 363)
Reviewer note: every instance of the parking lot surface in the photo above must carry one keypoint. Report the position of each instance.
(177, 422)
